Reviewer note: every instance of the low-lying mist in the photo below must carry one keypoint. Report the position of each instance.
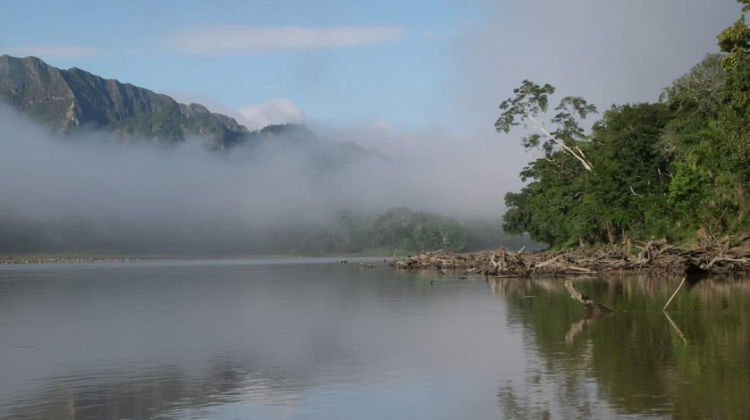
(87, 191)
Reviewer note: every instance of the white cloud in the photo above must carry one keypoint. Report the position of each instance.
(257, 40)
(608, 51)
(254, 117)
(52, 51)
(274, 111)
(438, 170)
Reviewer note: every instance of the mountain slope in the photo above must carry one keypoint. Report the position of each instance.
(66, 100)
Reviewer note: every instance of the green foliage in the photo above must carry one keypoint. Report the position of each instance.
(531, 99)
(546, 208)
(571, 110)
(529, 108)
(699, 91)
(664, 170)
(412, 231)
(419, 231)
(735, 40)
(349, 232)
(69, 100)
(563, 206)
(630, 178)
(688, 193)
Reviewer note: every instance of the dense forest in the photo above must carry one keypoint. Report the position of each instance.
(677, 169)
(416, 231)
(349, 232)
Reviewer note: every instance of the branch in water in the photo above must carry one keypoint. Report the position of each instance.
(590, 305)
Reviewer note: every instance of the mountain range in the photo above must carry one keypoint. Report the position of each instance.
(69, 101)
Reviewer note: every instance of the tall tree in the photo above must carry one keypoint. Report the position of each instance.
(529, 108)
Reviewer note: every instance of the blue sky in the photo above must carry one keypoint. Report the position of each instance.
(410, 64)
(416, 80)
(395, 78)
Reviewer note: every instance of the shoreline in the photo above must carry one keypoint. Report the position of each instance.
(28, 259)
(653, 257)
(87, 258)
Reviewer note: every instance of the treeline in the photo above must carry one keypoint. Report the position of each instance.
(417, 231)
(349, 232)
(676, 169)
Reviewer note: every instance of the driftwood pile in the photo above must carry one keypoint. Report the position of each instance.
(654, 257)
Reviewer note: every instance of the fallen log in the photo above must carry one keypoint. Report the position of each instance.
(590, 305)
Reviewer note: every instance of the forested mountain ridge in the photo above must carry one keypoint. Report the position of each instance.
(68, 100)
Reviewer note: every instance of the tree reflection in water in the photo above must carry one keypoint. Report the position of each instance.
(637, 362)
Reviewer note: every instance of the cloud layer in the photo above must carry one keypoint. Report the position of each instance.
(281, 183)
(274, 111)
(608, 51)
(258, 40)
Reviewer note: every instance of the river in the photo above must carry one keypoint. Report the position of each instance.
(312, 339)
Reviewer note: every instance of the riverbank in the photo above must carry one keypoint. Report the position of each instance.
(15, 259)
(86, 258)
(654, 257)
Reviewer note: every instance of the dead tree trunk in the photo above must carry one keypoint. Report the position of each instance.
(590, 305)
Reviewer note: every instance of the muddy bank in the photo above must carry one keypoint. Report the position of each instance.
(654, 257)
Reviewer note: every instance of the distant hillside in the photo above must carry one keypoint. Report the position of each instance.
(68, 100)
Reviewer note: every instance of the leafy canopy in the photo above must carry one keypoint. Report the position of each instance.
(528, 108)
(670, 170)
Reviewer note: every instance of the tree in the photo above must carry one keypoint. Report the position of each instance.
(623, 194)
(664, 169)
(734, 125)
(699, 90)
(627, 189)
(529, 108)
(735, 40)
(550, 207)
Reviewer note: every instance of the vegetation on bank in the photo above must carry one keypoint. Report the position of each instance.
(677, 169)
(412, 231)
(349, 233)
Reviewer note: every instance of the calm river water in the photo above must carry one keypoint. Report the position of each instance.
(311, 339)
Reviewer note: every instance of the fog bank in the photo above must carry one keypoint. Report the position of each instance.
(89, 180)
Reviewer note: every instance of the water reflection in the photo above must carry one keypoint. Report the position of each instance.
(326, 341)
(691, 363)
(230, 341)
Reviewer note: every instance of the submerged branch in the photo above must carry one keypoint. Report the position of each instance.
(674, 294)
(591, 306)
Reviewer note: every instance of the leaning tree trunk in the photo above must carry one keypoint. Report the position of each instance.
(590, 305)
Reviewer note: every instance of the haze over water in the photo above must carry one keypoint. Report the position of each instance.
(310, 339)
